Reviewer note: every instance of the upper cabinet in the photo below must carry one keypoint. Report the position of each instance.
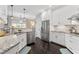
(46, 15)
(61, 16)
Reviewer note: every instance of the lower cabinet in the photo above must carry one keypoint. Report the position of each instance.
(23, 40)
(57, 37)
(61, 38)
(13, 44)
(54, 37)
(65, 39)
(13, 50)
(72, 43)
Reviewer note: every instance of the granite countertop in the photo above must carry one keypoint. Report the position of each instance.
(2, 51)
(74, 34)
(8, 42)
(20, 33)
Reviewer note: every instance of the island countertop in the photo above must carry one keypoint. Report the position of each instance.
(8, 42)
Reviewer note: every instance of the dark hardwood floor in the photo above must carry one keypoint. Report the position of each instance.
(41, 47)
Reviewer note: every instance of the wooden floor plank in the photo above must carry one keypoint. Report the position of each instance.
(41, 47)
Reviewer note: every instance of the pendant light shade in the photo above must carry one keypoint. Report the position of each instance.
(24, 12)
(1, 21)
(12, 17)
(24, 15)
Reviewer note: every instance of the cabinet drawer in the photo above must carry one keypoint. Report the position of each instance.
(13, 50)
(68, 43)
(52, 36)
(72, 45)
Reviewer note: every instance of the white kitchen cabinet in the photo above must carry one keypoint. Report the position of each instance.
(13, 44)
(75, 43)
(61, 38)
(57, 37)
(53, 37)
(13, 50)
(61, 15)
(9, 44)
(68, 42)
(22, 38)
(72, 43)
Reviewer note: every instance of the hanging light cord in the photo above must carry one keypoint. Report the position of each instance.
(24, 12)
(12, 10)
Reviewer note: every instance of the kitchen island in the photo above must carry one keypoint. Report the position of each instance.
(13, 44)
(8, 43)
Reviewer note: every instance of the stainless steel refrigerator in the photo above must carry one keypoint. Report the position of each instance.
(45, 30)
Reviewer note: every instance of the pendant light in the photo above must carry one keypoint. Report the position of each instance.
(24, 13)
(1, 21)
(12, 17)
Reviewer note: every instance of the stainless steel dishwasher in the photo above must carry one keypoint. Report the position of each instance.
(30, 37)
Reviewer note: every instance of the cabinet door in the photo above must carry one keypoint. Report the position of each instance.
(13, 50)
(23, 40)
(57, 38)
(61, 38)
(53, 37)
(20, 40)
(72, 43)
(29, 37)
(69, 45)
(68, 42)
(75, 43)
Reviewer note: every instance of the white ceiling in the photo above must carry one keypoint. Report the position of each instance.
(32, 9)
